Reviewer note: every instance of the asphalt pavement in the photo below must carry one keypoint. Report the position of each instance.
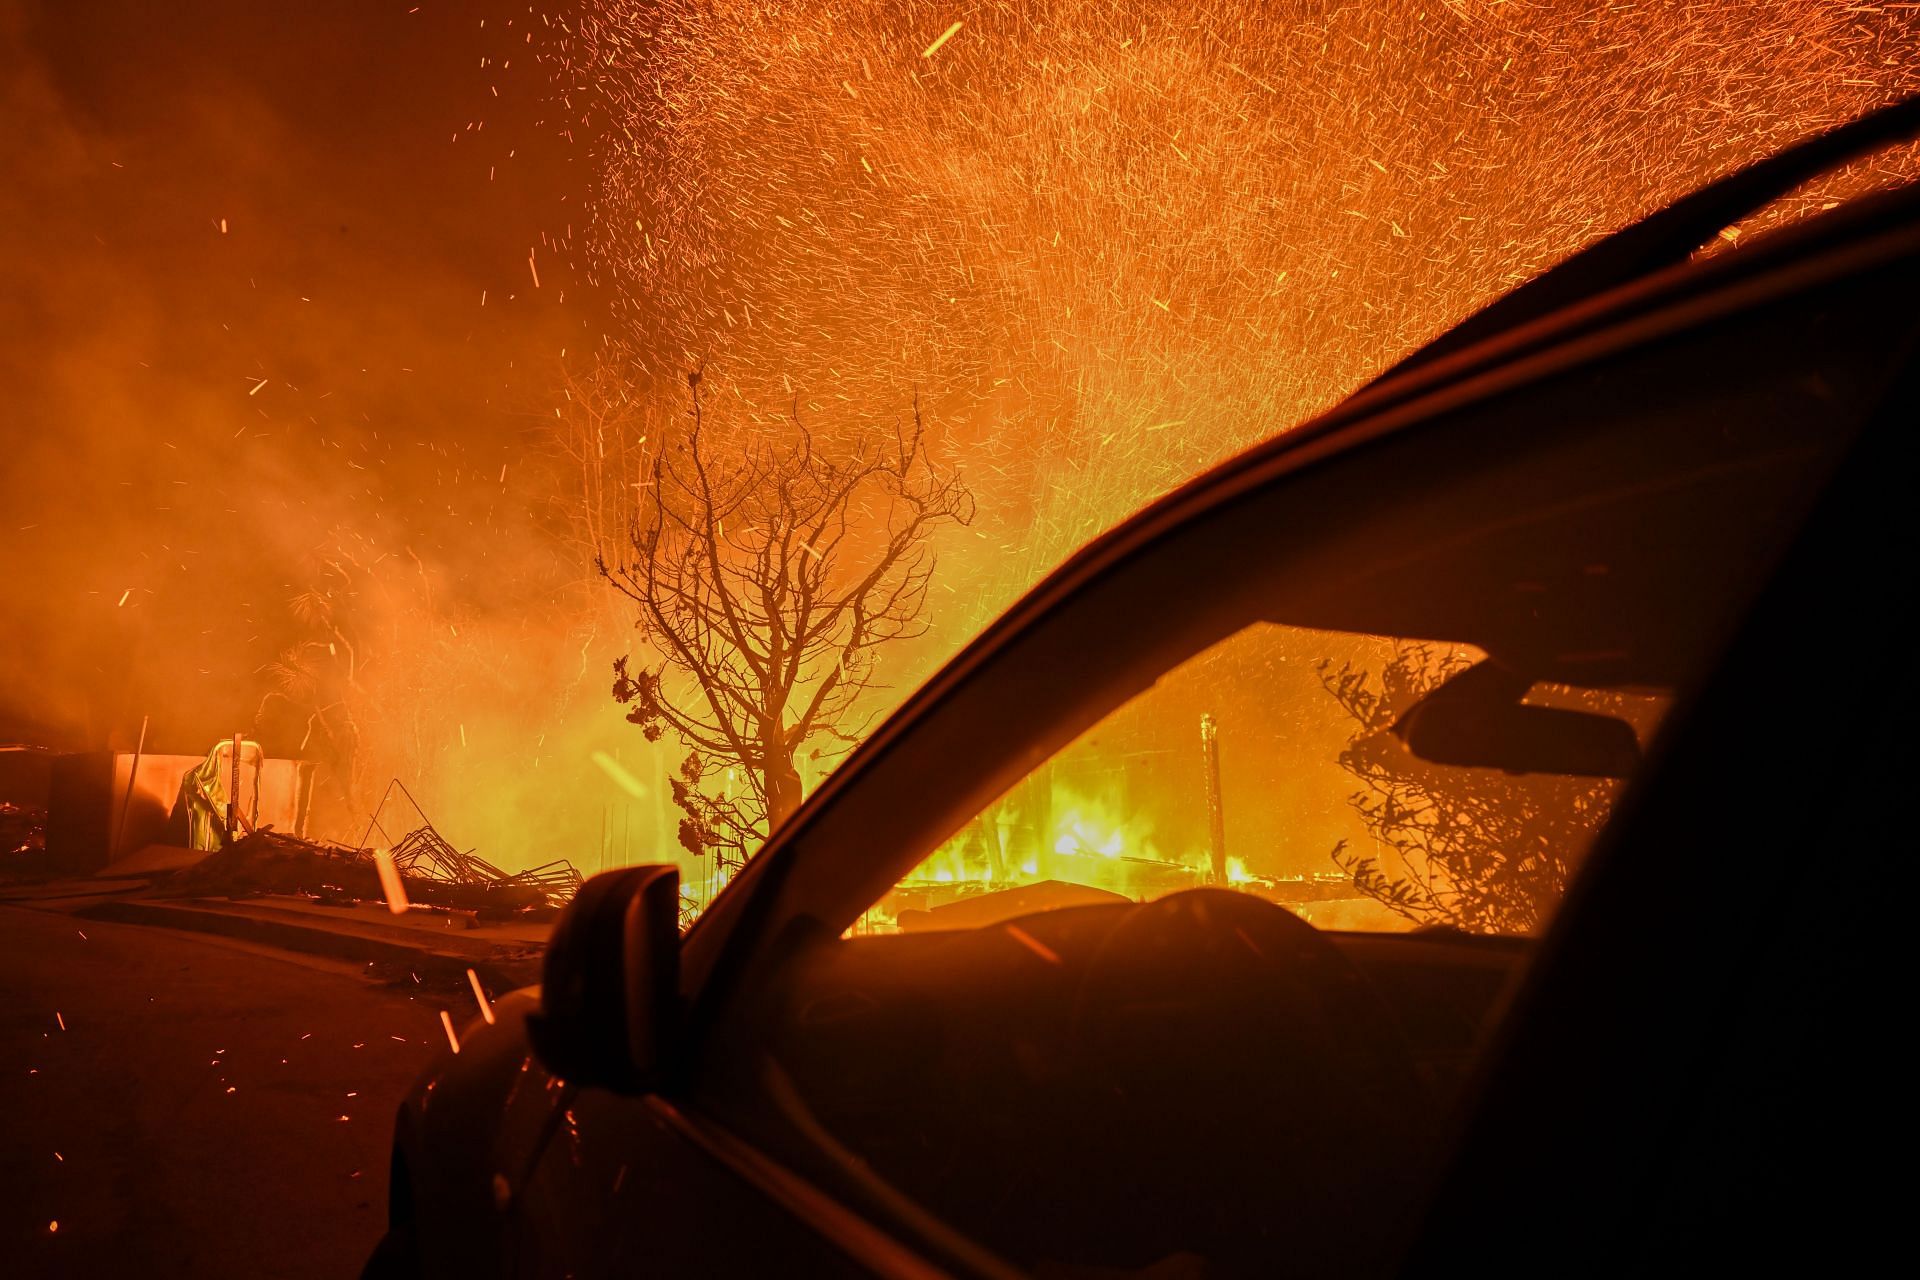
(175, 1104)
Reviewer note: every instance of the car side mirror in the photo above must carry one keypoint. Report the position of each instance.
(610, 991)
(1476, 720)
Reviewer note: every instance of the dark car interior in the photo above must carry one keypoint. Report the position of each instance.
(1038, 1098)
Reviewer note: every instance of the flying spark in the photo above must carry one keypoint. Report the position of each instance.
(945, 36)
(480, 995)
(390, 884)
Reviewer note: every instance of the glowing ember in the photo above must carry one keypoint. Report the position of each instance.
(480, 996)
(945, 36)
(390, 883)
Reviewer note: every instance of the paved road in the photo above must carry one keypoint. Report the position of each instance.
(208, 1110)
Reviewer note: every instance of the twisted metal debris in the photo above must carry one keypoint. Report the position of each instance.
(423, 855)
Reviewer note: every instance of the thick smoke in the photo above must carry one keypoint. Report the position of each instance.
(276, 378)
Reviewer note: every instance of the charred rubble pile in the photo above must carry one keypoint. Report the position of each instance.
(433, 872)
(246, 857)
(23, 831)
(24, 781)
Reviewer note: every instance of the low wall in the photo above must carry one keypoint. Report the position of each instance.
(88, 790)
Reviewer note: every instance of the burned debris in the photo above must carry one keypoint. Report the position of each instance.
(234, 823)
(432, 872)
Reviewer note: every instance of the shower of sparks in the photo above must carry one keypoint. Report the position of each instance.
(1112, 243)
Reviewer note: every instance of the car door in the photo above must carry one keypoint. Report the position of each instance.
(637, 1187)
(730, 1172)
(1802, 342)
(1706, 1081)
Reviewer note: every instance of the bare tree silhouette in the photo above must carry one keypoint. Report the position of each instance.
(767, 575)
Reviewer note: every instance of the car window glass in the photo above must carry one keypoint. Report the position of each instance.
(1268, 764)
